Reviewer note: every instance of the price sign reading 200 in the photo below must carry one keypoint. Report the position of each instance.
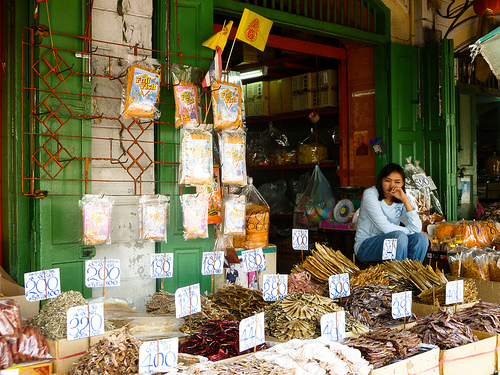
(98, 271)
(42, 285)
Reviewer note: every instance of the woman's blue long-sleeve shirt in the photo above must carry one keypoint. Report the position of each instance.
(377, 217)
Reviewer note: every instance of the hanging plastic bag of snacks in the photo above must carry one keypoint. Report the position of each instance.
(445, 228)
(312, 150)
(213, 193)
(153, 217)
(233, 214)
(226, 103)
(96, 211)
(257, 218)
(186, 97)
(140, 97)
(232, 154)
(195, 215)
(223, 243)
(196, 159)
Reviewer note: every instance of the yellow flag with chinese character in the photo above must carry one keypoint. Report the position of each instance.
(219, 38)
(254, 29)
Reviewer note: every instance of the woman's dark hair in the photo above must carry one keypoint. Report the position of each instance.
(386, 171)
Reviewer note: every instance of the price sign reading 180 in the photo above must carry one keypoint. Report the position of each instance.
(212, 263)
(162, 265)
(253, 260)
(100, 271)
(42, 285)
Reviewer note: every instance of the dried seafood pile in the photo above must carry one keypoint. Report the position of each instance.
(217, 339)
(318, 356)
(372, 305)
(238, 301)
(491, 212)
(383, 346)
(116, 354)
(161, 303)
(298, 316)
(324, 262)
(430, 296)
(483, 316)
(209, 311)
(301, 282)
(412, 275)
(444, 329)
(51, 320)
(372, 275)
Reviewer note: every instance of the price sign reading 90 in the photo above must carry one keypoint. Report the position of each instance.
(187, 300)
(100, 271)
(253, 259)
(212, 264)
(158, 356)
(84, 321)
(42, 285)
(162, 265)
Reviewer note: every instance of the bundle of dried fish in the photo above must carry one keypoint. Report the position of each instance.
(483, 316)
(52, 319)
(438, 294)
(209, 311)
(238, 301)
(301, 282)
(324, 262)
(372, 305)
(298, 315)
(383, 346)
(372, 275)
(491, 212)
(217, 339)
(444, 329)
(161, 303)
(116, 354)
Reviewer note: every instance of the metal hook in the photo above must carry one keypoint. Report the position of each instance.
(120, 76)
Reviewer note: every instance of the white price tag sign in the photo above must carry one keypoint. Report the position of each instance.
(431, 183)
(10, 371)
(158, 356)
(213, 263)
(162, 265)
(252, 331)
(339, 285)
(275, 287)
(454, 292)
(84, 321)
(252, 259)
(300, 239)
(333, 325)
(42, 285)
(421, 180)
(401, 305)
(187, 300)
(389, 249)
(100, 271)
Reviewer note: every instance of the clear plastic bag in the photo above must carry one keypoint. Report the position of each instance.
(312, 150)
(140, 97)
(6, 360)
(444, 228)
(186, 97)
(494, 265)
(196, 160)
(213, 193)
(195, 215)
(10, 319)
(232, 153)
(153, 217)
(257, 218)
(275, 194)
(233, 214)
(96, 211)
(226, 103)
(30, 346)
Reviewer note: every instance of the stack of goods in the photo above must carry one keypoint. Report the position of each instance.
(492, 212)
(437, 295)
(383, 346)
(372, 275)
(483, 316)
(298, 315)
(324, 262)
(161, 303)
(472, 263)
(467, 233)
(301, 282)
(444, 329)
(270, 147)
(238, 301)
(217, 339)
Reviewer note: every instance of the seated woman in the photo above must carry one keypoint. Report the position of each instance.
(383, 208)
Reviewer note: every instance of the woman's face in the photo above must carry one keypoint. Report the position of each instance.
(390, 183)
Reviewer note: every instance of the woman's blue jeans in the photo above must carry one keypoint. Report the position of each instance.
(413, 246)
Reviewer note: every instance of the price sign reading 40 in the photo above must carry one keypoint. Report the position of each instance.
(162, 265)
(252, 331)
(100, 271)
(84, 321)
(187, 300)
(42, 284)
(213, 262)
(401, 305)
(300, 239)
(333, 325)
(275, 287)
(339, 285)
(254, 258)
(454, 292)
(158, 356)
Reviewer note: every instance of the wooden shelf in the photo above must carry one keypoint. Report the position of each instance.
(327, 164)
(291, 115)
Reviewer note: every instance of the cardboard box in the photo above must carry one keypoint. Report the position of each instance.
(478, 358)
(328, 88)
(12, 290)
(286, 95)
(257, 99)
(426, 362)
(275, 97)
(252, 54)
(30, 368)
(421, 309)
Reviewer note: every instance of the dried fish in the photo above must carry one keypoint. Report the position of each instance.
(209, 311)
(437, 295)
(483, 316)
(301, 282)
(372, 275)
(161, 303)
(238, 301)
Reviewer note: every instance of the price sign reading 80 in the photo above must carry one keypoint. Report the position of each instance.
(300, 239)
(212, 263)
(252, 331)
(84, 321)
(333, 325)
(158, 356)
(401, 305)
(339, 285)
(96, 273)
(187, 300)
(162, 265)
(389, 249)
(253, 259)
(275, 287)
(42, 284)
(454, 292)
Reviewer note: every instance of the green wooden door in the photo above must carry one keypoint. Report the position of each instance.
(57, 117)
(195, 25)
